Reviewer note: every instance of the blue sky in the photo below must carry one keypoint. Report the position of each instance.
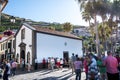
(60, 11)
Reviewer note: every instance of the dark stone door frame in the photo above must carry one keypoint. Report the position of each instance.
(22, 50)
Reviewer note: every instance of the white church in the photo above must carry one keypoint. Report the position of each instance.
(35, 42)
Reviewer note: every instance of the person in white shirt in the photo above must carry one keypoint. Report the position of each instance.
(61, 63)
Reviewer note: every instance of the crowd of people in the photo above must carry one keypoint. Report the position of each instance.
(99, 67)
(7, 67)
(52, 63)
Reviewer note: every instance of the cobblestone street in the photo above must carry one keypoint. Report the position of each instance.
(64, 74)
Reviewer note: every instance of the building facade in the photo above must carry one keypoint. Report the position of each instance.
(7, 47)
(81, 31)
(34, 42)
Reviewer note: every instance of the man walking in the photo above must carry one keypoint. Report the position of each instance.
(111, 64)
(6, 70)
(73, 59)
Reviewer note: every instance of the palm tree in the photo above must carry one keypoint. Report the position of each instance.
(116, 14)
(104, 33)
(82, 4)
(89, 8)
(106, 9)
(86, 16)
(67, 27)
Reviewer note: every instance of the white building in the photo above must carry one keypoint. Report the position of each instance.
(81, 31)
(37, 42)
(7, 47)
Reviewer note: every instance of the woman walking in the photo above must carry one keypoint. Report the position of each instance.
(78, 66)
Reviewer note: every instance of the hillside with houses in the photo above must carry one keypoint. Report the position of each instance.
(9, 22)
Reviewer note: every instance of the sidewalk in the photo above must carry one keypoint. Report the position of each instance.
(64, 74)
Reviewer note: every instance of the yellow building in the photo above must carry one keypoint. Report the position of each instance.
(6, 47)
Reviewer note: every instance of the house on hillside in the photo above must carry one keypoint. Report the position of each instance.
(35, 42)
(81, 31)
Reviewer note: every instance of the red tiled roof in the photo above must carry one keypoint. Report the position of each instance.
(53, 32)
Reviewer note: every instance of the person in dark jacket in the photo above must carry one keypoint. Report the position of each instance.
(6, 71)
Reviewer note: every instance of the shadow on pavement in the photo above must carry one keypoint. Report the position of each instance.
(49, 78)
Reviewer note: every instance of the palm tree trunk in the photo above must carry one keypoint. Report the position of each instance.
(0, 13)
(116, 32)
(97, 37)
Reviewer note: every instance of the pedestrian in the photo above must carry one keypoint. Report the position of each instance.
(48, 61)
(52, 63)
(44, 63)
(73, 59)
(29, 66)
(13, 67)
(23, 64)
(85, 64)
(118, 59)
(102, 68)
(1, 72)
(92, 68)
(111, 64)
(36, 64)
(61, 63)
(58, 63)
(78, 66)
(9, 66)
(6, 72)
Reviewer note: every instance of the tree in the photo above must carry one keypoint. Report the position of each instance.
(107, 10)
(86, 16)
(67, 27)
(116, 13)
(104, 33)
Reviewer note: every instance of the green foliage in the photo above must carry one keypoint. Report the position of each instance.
(6, 24)
(118, 50)
(88, 44)
(67, 27)
(57, 27)
(92, 8)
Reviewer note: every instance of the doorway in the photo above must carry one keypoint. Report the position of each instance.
(66, 58)
(22, 54)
